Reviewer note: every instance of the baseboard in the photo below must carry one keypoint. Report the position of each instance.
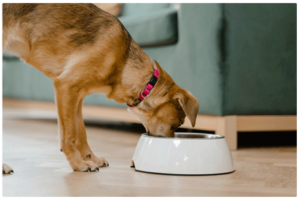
(227, 126)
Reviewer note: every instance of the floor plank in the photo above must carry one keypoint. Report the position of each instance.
(31, 148)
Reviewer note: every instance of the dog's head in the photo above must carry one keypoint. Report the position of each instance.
(165, 109)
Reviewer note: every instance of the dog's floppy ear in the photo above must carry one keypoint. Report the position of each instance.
(189, 104)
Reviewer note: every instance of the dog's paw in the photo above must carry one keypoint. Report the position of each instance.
(6, 169)
(100, 161)
(85, 166)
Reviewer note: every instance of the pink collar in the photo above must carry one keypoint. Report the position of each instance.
(147, 89)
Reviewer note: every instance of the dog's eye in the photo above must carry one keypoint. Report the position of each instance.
(179, 125)
(176, 126)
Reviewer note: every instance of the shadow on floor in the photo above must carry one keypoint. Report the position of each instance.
(267, 139)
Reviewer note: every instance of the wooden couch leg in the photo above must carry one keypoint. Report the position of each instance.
(227, 126)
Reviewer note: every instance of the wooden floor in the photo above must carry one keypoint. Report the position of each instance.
(31, 148)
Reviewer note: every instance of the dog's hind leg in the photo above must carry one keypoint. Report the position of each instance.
(67, 101)
(6, 169)
(81, 141)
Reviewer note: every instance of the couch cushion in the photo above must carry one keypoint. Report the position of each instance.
(142, 8)
(151, 26)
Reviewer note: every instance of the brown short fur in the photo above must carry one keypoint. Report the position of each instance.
(85, 50)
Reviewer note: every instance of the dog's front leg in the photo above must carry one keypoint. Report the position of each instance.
(67, 101)
(81, 141)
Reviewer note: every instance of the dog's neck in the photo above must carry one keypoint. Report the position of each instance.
(135, 75)
(147, 90)
(137, 79)
(140, 81)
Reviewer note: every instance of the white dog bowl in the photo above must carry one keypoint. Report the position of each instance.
(185, 154)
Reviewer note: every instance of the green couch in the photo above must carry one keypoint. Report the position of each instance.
(237, 59)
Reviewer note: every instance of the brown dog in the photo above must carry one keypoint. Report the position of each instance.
(85, 50)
